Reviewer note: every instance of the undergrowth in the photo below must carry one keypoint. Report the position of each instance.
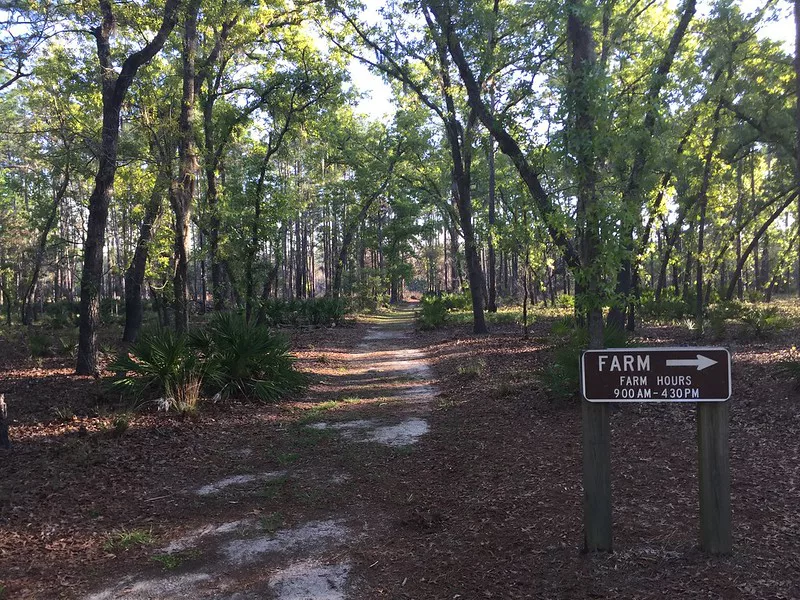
(317, 312)
(228, 357)
(561, 376)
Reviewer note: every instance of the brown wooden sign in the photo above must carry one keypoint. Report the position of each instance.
(656, 375)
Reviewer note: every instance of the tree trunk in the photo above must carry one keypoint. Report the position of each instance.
(797, 125)
(134, 274)
(703, 202)
(255, 241)
(456, 277)
(740, 265)
(182, 192)
(596, 428)
(461, 190)
(115, 89)
(492, 270)
(739, 215)
(28, 296)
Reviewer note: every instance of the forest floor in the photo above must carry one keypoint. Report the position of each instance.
(419, 465)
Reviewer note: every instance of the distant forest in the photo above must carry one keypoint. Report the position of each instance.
(160, 160)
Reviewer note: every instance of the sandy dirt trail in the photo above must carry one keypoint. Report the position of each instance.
(311, 559)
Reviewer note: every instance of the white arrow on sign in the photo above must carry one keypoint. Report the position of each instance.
(701, 362)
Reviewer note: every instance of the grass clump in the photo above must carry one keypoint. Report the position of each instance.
(125, 539)
(64, 414)
(273, 488)
(472, 369)
(173, 560)
(271, 523)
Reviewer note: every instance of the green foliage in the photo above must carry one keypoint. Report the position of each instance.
(561, 376)
(40, 345)
(317, 312)
(670, 306)
(719, 314)
(62, 315)
(433, 313)
(161, 367)
(229, 356)
(246, 359)
(565, 301)
(506, 316)
(110, 310)
(762, 321)
(436, 308)
(453, 301)
(728, 309)
(563, 327)
(125, 539)
(66, 346)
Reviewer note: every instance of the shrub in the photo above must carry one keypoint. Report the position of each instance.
(565, 301)
(319, 312)
(729, 309)
(40, 345)
(66, 346)
(433, 313)
(762, 321)
(435, 308)
(670, 306)
(246, 359)
(561, 376)
(110, 310)
(324, 312)
(563, 327)
(456, 301)
(230, 356)
(62, 315)
(161, 367)
(719, 314)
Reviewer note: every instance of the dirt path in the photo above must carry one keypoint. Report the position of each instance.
(380, 398)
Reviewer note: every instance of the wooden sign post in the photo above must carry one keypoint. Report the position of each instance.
(700, 375)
